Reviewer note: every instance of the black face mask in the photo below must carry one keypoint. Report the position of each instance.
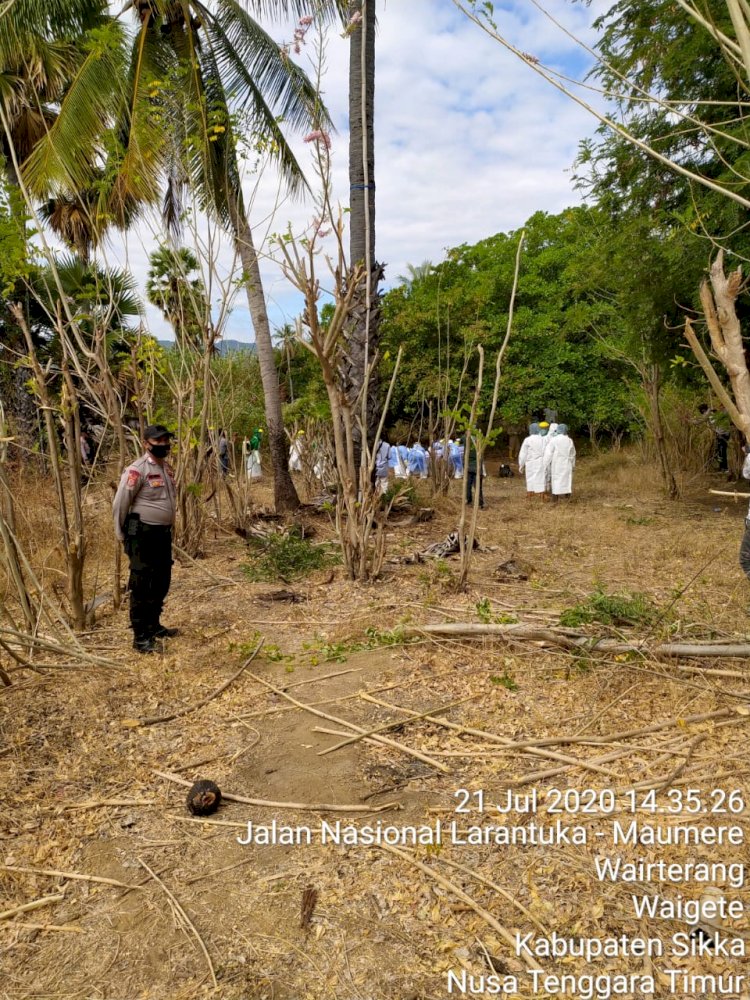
(159, 450)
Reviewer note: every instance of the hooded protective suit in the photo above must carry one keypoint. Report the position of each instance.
(417, 461)
(547, 440)
(559, 461)
(295, 454)
(531, 460)
(382, 466)
(456, 452)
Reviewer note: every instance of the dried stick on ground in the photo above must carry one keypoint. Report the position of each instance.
(37, 904)
(76, 876)
(74, 649)
(186, 918)
(357, 729)
(497, 888)
(626, 734)
(493, 738)
(465, 898)
(661, 783)
(571, 640)
(42, 927)
(204, 701)
(312, 807)
(397, 724)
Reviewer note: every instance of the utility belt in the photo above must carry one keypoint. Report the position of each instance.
(135, 527)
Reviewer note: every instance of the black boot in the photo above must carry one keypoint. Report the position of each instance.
(162, 632)
(144, 645)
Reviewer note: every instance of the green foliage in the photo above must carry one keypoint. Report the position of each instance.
(505, 681)
(182, 298)
(402, 490)
(286, 556)
(611, 609)
(485, 615)
(337, 652)
(270, 651)
(554, 356)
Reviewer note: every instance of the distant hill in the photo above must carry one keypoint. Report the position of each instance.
(224, 346)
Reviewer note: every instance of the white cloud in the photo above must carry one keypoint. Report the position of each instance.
(469, 140)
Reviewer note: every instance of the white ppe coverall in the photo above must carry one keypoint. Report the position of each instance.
(560, 460)
(531, 461)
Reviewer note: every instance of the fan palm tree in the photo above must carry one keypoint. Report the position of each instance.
(286, 338)
(417, 273)
(181, 298)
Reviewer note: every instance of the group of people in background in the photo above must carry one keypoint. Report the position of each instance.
(548, 457)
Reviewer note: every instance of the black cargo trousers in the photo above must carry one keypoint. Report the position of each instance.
(149, 549)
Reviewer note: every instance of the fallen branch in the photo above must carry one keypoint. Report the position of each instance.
(74, 649)
(396, 725)
(626, 734)
(311, 807)
(98, 803)
(219, 871)
(37, 904)
(204, 701)
(186, 918)
(730, 493)
(503, 741)
(65, 928)
(571, 640)
(67, 875)
(660, 784)
(357, 729)
(278, 709)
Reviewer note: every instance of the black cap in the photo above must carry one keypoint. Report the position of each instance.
(155, 431)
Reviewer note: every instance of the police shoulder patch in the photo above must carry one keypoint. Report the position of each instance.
(134, 478)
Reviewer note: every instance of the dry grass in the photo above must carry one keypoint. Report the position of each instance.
(380, 929)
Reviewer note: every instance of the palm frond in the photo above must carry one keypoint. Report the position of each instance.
(23, 21)
(136, 163)
(252, 63)
(64, 158)
(208, 143)
(328, 10)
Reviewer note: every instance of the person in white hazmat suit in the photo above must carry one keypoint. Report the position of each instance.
(547, 440)
(295, 452)
(560, 460)
(382, 466)
(531, 461)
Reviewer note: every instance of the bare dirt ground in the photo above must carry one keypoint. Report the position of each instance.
(207, 917)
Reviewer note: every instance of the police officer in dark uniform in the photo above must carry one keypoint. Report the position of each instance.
(144, 512)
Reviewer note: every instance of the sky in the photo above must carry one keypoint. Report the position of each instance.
(469, 142)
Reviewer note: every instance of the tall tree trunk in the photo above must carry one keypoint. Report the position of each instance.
(284, 493)
(362, 328)
(652, 383)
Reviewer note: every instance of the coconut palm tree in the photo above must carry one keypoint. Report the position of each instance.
(58, 59)
(202, 74)
(60, 66)
(362, 328)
